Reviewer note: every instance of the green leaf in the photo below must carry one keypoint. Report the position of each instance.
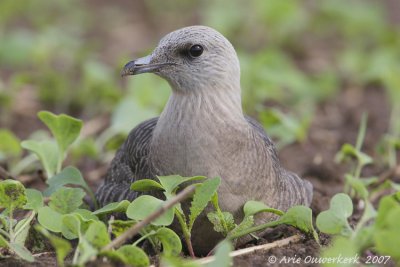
(170, 241)
(9, 144)
(172, 182)
(144, 205)
(203, 194)
(113, 207)
(64, 128)
(97, 235)
(253, 207)
(348, 151)
(358, 186)
(69, 175)
(223, 222)
(222, 258)
(118, 226)
(46, 151)
(341, 247)
(247, 222)
(65, 200)
(301, 218)
(12, 195)
(61, 246)
(146, 185)
(128, 254)
(34, 199)
(334, 220)
(50, 219)
(386, 231)
(21, 230)
(86, 252)
(85, 215)
(70, 226)
(22, 252)
(3, 242)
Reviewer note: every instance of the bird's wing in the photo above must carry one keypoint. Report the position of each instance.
(268, 142)
(296, 190)
(130, 164)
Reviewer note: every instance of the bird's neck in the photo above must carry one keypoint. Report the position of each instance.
(196, 131)
(205, 106)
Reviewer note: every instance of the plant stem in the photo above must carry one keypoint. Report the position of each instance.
(186, 233)
(254, 229)
(4, 233)
(361, 133)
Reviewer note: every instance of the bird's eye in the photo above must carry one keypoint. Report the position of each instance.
(195, 50)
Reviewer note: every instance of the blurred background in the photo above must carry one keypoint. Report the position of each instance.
(309, 70)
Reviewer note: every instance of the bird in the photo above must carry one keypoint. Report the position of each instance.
(203, 130)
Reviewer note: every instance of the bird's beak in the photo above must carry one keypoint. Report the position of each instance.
(141, 65)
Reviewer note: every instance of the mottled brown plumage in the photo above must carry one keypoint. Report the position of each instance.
(203, 131)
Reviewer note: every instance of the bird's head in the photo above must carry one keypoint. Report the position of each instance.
(192, 59)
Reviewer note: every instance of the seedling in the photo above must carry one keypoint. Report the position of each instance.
(65, 130)
(169, 185)
(13, 233)
(297, 216)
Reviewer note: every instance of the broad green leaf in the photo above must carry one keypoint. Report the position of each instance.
(97, 235)
(386, 232)
(9, 143)
(118, 227)
(135, 256)
(170, 241)
(171, 183)
(301, 218)
(70, 226)
(46, 151)
(146, 185)
(128, 254)
(223, 222)
(34, 199)
(64, 128)
(221, 257)
(12, 195)
(203, 194)
(50, 219)
(113, 207)
(69, 175)
(144, 205)
(341, 247)
(61, 246)
(85, 215)
(334, 220)
(22, 252)
(253, 207)
(65, 200)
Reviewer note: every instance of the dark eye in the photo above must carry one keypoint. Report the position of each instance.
(195, 50)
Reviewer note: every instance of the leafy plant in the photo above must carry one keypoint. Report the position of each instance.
(205, 191)
(65, 130)
(13, 233)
